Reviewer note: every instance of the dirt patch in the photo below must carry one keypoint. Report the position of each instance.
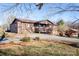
(32, 43)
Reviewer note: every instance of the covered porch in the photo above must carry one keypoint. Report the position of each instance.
(43, 28)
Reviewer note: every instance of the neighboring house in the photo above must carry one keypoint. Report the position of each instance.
(24, 26)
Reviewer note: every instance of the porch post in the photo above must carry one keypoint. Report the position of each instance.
(39, 28)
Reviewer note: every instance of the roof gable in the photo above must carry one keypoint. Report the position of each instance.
(23, 20)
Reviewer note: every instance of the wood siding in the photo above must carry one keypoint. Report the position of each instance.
(13, 27)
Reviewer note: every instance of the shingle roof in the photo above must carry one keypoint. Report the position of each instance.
(23, 20)
(29, 21)
(26, 20)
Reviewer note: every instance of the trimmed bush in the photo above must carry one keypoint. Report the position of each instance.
(26, 39)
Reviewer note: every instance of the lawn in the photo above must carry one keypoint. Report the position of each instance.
(38, 48)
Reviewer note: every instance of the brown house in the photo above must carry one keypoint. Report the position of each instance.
(23, 26)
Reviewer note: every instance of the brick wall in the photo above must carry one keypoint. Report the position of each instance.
(25, 27)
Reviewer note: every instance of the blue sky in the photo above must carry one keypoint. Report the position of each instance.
(34, 14)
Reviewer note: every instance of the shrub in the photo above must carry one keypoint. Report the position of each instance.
(36, 38)
(26, 39)
(12, 42)
(6, 34)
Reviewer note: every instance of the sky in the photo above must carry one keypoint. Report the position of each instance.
(30, 11)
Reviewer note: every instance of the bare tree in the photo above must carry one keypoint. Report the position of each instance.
(20, 5)
(67, 8)
(59, 9)
(40, 5)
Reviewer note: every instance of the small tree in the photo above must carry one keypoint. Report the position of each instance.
(60, 22)
(61, 26)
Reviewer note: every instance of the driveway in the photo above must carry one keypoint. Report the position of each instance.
(55, 38)
(6, 40)
(47, 37)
